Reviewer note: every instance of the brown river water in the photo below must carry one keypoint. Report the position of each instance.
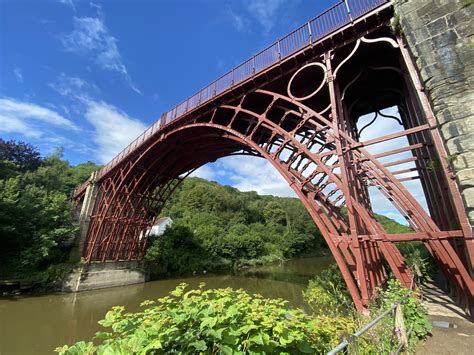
(38, 324)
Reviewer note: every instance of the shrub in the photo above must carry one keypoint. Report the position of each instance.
(419, 260)
(414, 312)
(327, 293)
(214, 321)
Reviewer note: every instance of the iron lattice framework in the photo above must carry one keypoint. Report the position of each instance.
(301, 115)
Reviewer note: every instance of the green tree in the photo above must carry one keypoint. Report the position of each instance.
(35, 209)
(23, 155)
(33, 223)
(274, 213)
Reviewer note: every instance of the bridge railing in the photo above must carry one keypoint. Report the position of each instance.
(337, 16)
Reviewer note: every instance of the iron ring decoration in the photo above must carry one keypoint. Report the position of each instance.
(323, 82)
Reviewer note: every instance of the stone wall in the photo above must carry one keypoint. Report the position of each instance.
(103, 275)
(440, 36)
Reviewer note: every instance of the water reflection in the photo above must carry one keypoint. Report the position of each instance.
(37, 324)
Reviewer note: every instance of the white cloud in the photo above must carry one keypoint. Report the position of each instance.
(264, 11)
(204, 172)
(73, 86)
(12, 124)
(30, 119)
(18, 74)
(239, 22)
(91, 37)
(69, 3)
(114, 129)
(247, 173)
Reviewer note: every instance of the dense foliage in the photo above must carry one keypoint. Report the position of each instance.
(216, 225)
(218, 321)
(35, 209)
(219, 226)
(227, 321)
(414, 312)
(328, 294)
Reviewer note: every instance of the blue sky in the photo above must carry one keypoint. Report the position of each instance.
(90, 76)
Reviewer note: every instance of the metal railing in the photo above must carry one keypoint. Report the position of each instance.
(352, 340)
(334, 18)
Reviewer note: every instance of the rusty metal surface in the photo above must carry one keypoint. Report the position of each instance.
(302, 117)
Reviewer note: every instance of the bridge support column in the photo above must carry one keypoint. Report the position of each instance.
(86, 210)
(91, 276)
(437, 35)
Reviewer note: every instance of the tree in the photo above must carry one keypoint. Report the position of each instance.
(274, 213)
(33, 222)
(24, 155)
(35, 209)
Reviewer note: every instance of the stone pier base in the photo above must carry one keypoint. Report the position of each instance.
(102, 275)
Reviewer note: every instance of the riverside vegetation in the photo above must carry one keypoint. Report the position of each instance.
(36, 212)
(227, 321)
(217, 227)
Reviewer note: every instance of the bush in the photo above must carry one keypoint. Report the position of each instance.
(177, 251)
(419, 260)
(327, 293)
(414, 312)
(221, 321)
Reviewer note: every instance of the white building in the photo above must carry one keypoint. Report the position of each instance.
(160, 226)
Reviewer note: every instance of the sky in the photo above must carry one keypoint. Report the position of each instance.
(90, 76)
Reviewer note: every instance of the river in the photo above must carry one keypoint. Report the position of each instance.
(38, 324)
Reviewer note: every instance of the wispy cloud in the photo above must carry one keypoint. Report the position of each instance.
(30, 119)
(73, 86)
(69, 3)
(264, 11)
(18, 74)
(205, 172)
(91, 37)
(239, 22)
(113, 128)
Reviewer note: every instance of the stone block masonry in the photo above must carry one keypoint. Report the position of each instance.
(440, 36)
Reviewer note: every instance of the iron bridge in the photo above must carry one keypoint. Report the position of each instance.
(296, 104)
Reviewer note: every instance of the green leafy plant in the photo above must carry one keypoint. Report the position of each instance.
(414, 312)
(36, 223)
(327, 293)
(419, 260)
(218, 321)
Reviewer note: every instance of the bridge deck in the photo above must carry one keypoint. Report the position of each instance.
(345, 13)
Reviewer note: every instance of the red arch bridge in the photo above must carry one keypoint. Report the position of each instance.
(296, 104)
